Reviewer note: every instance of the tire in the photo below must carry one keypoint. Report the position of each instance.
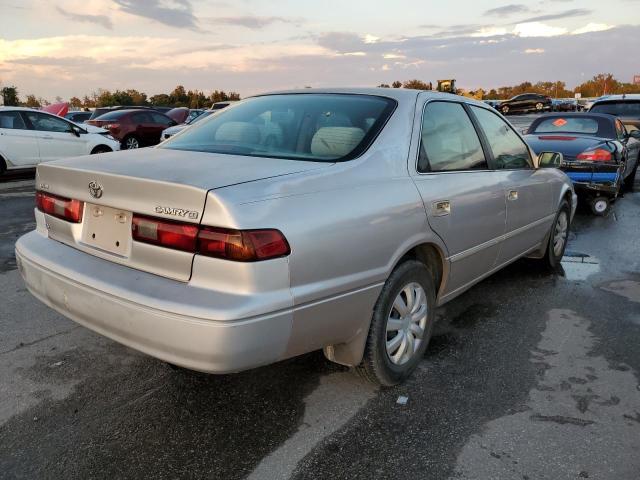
(101, 149)
(386, 360)
(629, 182)
(504, 109)
(600, 206)
(539, 106)
(555, 251)
(130, 142)
(3, 166)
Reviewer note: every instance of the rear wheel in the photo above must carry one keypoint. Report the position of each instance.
(401, 325)
(539, 106)
(101, 149)
(131, 142)
(558, 236)
(600, 206)
(3, 166)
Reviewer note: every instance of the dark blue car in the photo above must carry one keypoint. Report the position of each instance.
(600, 155)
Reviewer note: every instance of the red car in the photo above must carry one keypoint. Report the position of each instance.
(134, 128)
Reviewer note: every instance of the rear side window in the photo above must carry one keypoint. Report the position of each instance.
(449, 140)
(161, 119)
(568, 124)
(48, 123)
(141, 117)
(316, 127)
(621, 108)
(509, 150)
(11, 120)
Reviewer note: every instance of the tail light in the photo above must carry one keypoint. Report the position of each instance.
(60, 207)
(242, 245)
(229, 244)
(176, 235)
(596, 155)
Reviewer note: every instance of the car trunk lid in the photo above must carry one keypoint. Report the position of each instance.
(161, 183)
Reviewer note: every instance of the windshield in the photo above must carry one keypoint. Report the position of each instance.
(621, 108)
(317, 127)
(199, 117)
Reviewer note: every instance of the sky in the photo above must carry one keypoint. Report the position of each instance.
(75, 47)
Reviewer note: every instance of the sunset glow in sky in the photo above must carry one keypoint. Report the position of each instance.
(75, 47)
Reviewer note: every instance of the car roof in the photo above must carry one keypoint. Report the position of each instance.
(614, 98)
(24, 109)
(400, 94)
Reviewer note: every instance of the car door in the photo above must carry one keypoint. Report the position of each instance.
(18, 144)
(144, 127)
(56, 138)
(463, 199)
(526, 189)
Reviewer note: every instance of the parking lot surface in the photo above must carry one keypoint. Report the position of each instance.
(531, 375)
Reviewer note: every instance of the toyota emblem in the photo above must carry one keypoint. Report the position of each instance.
(95, 189)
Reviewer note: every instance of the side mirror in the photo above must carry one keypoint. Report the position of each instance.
(550, 160)
(76, 130)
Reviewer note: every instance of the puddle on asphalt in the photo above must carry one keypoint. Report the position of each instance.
(578, 266)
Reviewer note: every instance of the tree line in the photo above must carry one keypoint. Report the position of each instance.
(179, 97)
(601, 84)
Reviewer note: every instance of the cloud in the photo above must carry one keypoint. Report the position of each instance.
(574, 12)
(178, 13)
(251, 21)
(507, 10)
(538, 29)
(101, 20)
(592, 27)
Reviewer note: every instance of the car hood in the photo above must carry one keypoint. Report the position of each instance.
(570, 145)
(175, 129)
(201, 170)
(92, 128)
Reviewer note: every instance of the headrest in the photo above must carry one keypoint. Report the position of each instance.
(336, 141)
(238, 132)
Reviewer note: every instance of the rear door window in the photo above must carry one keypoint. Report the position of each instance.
(448, 140)
(161, 119)
(12, 121)
(47, 123)
(509, 150)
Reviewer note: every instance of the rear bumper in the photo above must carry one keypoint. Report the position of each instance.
(149, 313)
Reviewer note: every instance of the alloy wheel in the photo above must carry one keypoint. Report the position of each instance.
(132, 143)
(406, 323)
(539, 106)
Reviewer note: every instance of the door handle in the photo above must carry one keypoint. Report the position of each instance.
(513, 195)
(47, 137)
(441, 208)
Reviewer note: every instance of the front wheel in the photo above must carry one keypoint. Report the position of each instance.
(505, 110)
(539, 106)
(401, 325)
(558, 236)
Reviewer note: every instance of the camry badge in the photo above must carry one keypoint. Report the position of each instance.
(95, 189)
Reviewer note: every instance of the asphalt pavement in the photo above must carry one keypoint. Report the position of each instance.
(531, 375)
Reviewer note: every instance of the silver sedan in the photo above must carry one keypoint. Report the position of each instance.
(295, 221)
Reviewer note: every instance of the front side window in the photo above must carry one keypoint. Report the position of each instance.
(161, 119)
(12, 120)
(448, 140)
(316, 127)
(141, 117)
(48, 123)
(509, 150)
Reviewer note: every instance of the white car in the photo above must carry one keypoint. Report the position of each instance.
(29, 137)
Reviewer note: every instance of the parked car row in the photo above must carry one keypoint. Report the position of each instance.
(601, 148)
(29, 137)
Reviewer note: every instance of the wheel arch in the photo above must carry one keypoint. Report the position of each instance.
(101, 146)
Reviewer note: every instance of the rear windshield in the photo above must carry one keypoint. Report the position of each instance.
(111, 115)
(568, 125)
(316, 127)
(620, 108)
